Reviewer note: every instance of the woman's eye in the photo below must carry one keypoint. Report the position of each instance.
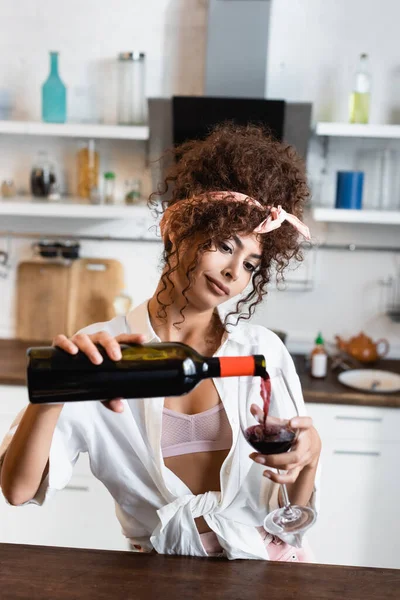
(249, 267)
(225, 247)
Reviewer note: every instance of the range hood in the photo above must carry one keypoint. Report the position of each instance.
(234, 86)
(237, 48)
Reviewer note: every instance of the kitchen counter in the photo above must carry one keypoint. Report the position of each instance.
(51, 573)
(327, 391)
(331, 391)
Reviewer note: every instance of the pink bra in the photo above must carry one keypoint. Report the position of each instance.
(202, 432)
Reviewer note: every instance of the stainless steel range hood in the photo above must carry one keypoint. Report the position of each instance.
(237, 47)
(235, 70)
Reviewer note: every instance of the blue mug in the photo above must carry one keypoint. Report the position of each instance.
(349, 189)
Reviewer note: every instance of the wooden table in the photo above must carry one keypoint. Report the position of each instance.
(47, 573)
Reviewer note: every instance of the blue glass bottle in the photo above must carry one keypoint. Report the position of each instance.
(54, 95)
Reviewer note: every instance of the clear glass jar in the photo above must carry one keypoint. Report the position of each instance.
(132, 193)
(8, 189)
(109, 187)
(43, 175)
(132, 105)
(88, 169)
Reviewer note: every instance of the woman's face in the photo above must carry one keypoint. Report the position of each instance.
(222, 272)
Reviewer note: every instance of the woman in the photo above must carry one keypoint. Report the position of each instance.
(179, 467)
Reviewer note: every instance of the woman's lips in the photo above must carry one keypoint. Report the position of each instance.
(217, 287)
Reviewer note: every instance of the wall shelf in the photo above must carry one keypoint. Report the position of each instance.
(75, 130)
(70, 207)
(357, 130)
(337, 215)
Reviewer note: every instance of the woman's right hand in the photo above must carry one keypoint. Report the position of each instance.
(86, 344)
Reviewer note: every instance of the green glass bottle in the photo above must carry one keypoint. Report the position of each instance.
(150, 370)
(54, 95)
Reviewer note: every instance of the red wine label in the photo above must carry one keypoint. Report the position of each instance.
(232, 366)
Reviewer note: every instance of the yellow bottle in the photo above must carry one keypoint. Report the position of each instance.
(359, 105)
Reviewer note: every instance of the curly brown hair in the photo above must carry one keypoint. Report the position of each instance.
(244, 159)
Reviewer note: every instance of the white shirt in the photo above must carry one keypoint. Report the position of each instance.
(155, 508)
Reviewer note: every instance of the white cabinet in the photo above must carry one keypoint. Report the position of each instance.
(358, 523)
(82, 515)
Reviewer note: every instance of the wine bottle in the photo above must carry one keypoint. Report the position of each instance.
(145, 371)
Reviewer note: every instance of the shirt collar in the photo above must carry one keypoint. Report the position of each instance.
(138, 321)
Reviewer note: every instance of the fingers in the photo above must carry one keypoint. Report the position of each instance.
(131, 338)
(301, 423)
(61, 341)
(115, 405)
(257, 413)
(87, 344)
(288, 477)
(286, 460)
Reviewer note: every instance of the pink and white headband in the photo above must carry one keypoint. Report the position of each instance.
(274, 220)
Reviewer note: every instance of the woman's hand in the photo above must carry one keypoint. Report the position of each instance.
(86, 344)
(304, 453)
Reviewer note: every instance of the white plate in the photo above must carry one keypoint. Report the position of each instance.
(371, 380)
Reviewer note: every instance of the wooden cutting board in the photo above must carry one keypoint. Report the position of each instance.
(42, 300)
(94, 284)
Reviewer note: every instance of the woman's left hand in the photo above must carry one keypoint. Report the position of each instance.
(304, 453)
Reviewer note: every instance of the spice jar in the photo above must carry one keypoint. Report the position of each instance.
(88, 169)
(109, 187)
(8, 189)
(42, 175)
(132, 191)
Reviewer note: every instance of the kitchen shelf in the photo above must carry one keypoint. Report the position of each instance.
(75, 130)
(337, 215)
(357, 130)
(72, 208)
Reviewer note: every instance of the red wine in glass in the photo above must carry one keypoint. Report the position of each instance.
(269, 438)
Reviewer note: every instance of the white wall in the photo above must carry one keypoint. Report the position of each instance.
(313, 48)
(313, 51)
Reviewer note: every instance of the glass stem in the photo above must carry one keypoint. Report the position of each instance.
(287, 506)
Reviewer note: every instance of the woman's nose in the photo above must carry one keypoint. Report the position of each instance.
(231, 273)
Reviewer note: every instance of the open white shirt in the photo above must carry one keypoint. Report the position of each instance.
(155, 508)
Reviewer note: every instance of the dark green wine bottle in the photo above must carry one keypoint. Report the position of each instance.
(145, 371)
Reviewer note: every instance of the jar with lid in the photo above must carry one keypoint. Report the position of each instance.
(131, 89)
(88, 169)
(132, 193)
(109, 187)
(42, 175)
(8, 189)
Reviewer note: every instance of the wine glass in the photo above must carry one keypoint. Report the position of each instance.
(274, 435)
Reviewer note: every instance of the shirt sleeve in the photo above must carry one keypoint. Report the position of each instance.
(69, 434)
(67, 443)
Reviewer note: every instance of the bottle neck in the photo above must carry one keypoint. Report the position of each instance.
(53, 63)
(236, 366)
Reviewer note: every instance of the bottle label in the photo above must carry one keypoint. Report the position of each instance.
(362, 83)
(319, 365)
(232, 366)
